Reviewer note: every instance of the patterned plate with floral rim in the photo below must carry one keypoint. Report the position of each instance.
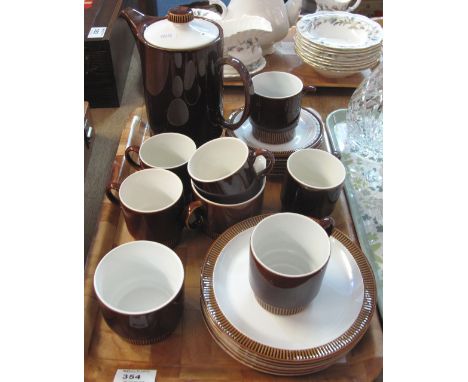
(319, 56)
(340, 30)
(342, 310)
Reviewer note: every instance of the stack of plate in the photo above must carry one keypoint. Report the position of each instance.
(338, 44)
(307, 134)
(299, 344)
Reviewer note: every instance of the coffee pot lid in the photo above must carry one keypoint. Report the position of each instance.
(181, 31)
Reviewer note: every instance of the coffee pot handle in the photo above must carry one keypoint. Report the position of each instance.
(248, 91)
(353, 7)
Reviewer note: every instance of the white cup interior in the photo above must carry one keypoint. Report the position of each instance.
(217, 159)
(315, 168)
(290, 244)
(150, 190)
(138, 277)
(167, 150)
(277, 84)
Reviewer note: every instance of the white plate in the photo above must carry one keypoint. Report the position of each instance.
(340, 30)
(330, 314)
(307, 133)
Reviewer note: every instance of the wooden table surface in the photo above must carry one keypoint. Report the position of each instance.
(190, 354)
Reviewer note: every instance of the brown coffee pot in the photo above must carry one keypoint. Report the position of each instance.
(182, 69)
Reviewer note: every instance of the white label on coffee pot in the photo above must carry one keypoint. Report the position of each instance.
(97, 32)
(133, 375)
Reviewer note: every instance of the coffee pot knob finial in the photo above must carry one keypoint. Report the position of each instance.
(180, 15)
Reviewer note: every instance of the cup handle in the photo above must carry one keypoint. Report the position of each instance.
(270, 159)
(221, 5)
(191, 210)
(248, 91)
(128, 157)
(327, 223)
(353, 7)
(113, 187)
(309, 89)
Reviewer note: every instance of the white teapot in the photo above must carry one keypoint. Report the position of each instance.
(281, 16)
(336, 5)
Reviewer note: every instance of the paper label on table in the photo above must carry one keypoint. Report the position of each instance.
(285, 47)
(97, 32)
(127, 375)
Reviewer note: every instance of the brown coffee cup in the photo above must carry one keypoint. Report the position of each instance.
(170, 151)
(249, 193)
(288, 257)
(313, 183)
(152, 203)
(139, 286)
(276, 105)
(226, 168)
(214, 218)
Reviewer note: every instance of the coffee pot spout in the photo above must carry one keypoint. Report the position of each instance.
(137, 22)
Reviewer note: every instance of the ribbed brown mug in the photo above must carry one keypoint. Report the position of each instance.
(288, 258)
(140, 289)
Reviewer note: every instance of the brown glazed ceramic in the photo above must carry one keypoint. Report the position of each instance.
(312, 183)
(289, 254)
(170, 151)
(223, 170)
(152, 203)
(140, 289)
(276, 106)
(183, 88)
(214, 218)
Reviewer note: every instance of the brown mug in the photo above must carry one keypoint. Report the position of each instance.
(214, 218)
(226, 168)
(139, 286)
(313, 183)
(276, 105)
(152, 203)
(288, 257)
(170, 151)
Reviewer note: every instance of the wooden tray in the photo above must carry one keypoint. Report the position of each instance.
(285, 59)
(190, 354)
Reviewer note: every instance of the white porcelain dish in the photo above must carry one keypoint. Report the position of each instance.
(340, 30)
(332, 312)
(279, 345)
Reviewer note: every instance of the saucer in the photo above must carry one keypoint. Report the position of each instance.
(285, 345)
(253, 68)
(308, 133)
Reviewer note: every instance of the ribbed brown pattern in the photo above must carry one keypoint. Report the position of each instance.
(279, 311)
(146, 341)
(320, 354)
(273, 137)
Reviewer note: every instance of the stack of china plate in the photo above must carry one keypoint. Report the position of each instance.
(298, 344)
(338, 44)
(307, 134)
